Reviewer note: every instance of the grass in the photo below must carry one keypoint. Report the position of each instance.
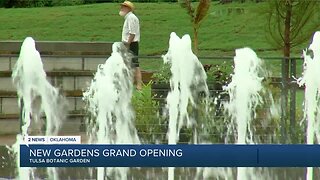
(226, 28)
(98, 22)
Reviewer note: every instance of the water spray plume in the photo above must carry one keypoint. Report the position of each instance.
(109, 103)
(187, 81)
(32, 86)
(244, 96)
(311, 81)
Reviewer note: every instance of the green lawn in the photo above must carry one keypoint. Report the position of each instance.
(224, 29)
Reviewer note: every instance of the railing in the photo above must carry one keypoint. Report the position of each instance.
(288, 68)
(284, 73)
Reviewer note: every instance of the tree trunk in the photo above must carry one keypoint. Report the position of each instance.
(195, 40)
(285, 71)
(287, 30)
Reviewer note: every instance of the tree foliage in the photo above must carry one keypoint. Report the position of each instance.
(197, 15)
(292, 22)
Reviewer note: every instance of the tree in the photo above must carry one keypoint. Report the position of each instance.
(291, 22)
(197, 15)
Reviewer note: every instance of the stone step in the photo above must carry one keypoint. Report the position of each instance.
(73, 93)
(66, 48)
(73, 124)
(9, 105)
(64, 80)
(15, 116)
(52, 63)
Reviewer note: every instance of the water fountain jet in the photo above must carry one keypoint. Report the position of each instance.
(30, 80)
(244, 97)
(311, 81)
(109, 103)
(187, 81)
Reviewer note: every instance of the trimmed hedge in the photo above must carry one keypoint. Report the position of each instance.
(45, 3)
(50, 3)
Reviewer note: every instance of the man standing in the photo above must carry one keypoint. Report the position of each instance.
(131, 37)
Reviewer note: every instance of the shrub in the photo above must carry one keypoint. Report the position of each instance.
(41, 3)
(150, 125)
(163, 75)
(67, 2)
(24, 3)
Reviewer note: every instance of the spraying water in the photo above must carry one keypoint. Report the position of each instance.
(31, 83)
(311, 80)
(187, 80)
(109, 103)
(244, 96)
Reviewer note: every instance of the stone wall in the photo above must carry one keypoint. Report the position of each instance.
(69, 66)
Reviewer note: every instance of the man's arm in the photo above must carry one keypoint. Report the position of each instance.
(130, 39)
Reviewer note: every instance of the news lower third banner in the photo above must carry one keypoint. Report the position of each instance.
(216, 155)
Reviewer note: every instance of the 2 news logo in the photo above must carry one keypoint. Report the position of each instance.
(52, 140)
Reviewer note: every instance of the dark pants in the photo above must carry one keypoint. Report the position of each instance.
(134, 48)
